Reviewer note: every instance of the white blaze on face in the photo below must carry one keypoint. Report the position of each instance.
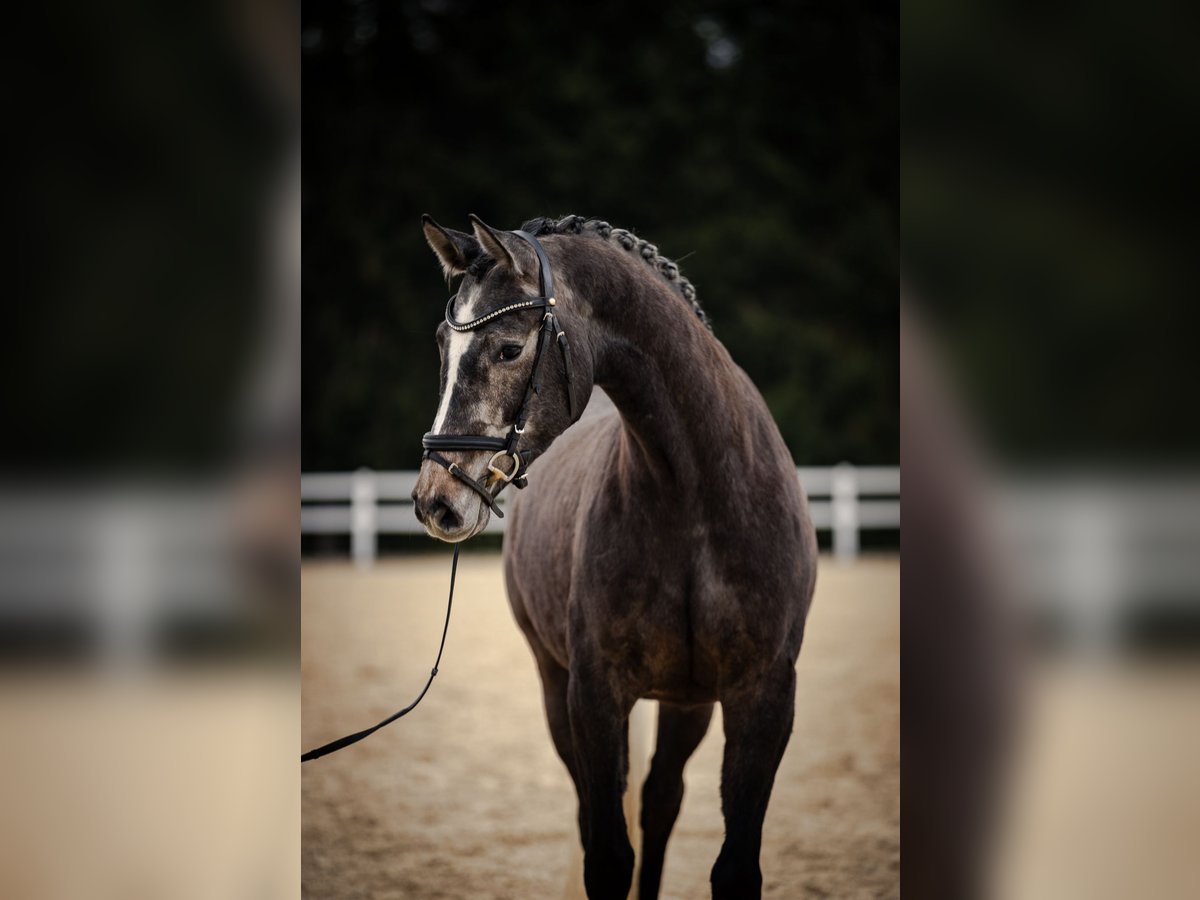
(485, 410)
(456, 349)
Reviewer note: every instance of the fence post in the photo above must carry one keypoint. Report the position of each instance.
(124, 581)
(1092, 571)
(362, 518)
(844, 495)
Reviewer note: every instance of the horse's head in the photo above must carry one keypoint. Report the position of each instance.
(488, 373)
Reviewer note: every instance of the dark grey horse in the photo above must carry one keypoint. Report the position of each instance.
(663, 548)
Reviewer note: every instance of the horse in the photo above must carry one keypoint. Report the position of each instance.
(663, 548)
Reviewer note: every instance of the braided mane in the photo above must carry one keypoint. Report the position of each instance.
(646, 251)
(627, 240)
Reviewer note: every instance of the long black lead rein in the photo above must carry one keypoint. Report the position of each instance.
(359, 735)
(505, 447)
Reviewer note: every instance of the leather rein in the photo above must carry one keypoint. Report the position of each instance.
(504, 448)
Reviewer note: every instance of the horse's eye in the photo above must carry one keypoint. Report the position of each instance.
(510, 352)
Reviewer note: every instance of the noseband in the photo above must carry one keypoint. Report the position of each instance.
(507, 447)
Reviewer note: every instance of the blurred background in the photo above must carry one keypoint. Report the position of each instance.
(148, 551)
(148, 472)
(1050, 448)
(754, 143)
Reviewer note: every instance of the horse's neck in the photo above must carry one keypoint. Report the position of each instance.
(682, 401)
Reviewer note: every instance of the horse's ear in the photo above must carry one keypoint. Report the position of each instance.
(504, 247)
(455, 249)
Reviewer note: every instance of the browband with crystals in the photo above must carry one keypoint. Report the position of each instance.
(475, 323)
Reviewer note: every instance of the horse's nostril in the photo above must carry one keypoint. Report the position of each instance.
(444, 516)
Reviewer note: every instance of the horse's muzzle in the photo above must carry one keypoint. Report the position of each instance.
(449, 510)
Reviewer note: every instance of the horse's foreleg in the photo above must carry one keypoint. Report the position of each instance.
(758, 723)
(555, 680)
(599, 728)
(680, 730)
(554, 697)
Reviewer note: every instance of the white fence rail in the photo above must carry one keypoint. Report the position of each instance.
(843, 499)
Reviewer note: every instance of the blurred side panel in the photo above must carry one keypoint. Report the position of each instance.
(1048, 219)
(149, 472)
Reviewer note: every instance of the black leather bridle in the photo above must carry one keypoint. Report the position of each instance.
(507, 447)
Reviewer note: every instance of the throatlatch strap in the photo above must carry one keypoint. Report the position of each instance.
(334, 746)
